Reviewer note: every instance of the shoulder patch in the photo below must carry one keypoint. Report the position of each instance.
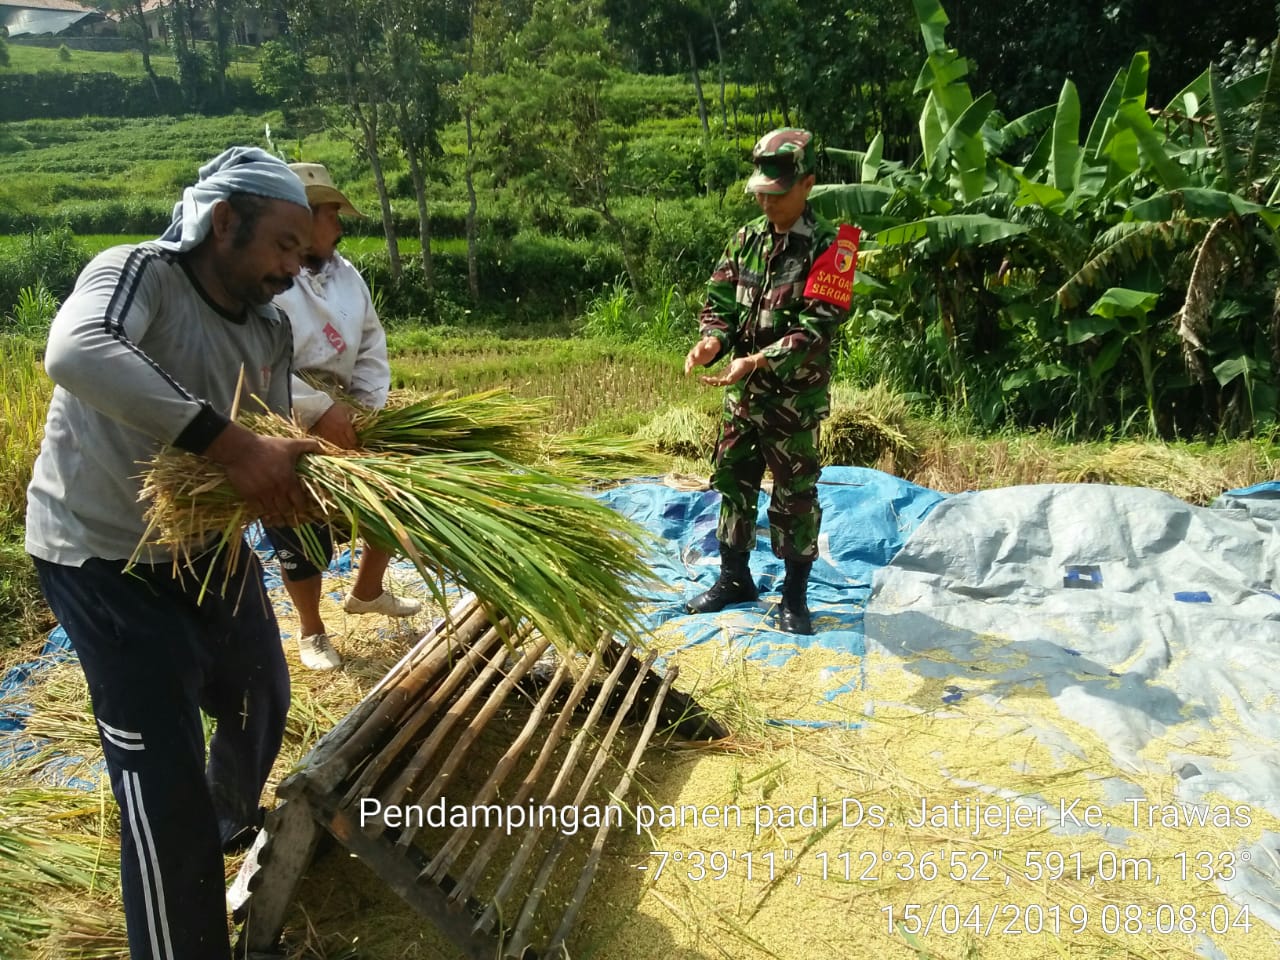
(831, 277)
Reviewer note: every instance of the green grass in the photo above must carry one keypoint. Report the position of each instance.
(88, 147)
(592, 384)
(128, 63)
(125, 63)
(95, 243)
(128, 172)
(56, 170)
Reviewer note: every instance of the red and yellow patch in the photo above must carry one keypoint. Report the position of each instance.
(831, 279)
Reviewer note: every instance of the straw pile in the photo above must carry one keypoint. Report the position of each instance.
(462, 487)
(866, 428)
(1159, 466)
(59, 890)
(683, 431)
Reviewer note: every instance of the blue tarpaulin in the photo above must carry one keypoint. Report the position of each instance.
(868, 515)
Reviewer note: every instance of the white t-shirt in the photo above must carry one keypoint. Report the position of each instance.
(337, 337)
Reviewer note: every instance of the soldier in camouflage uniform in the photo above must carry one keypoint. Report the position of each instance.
(774, 312)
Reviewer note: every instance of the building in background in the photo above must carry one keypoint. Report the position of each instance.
(53, 17)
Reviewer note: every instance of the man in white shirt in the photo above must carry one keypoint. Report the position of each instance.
(339, 347)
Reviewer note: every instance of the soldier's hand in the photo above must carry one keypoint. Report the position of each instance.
(335, 426)
(737, 370)
(703, 352)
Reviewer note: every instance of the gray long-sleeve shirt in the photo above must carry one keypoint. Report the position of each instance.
(140, 358)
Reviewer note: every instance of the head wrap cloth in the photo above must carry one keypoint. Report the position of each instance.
(237, 170)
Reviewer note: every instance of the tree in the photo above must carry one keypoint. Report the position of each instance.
(489, 23)
(134, 26)
(1089, 42)
(850, 74)
(759, 28)
(417, 114)
(194, 74)
(222, 13)
(1083, 274)
(283, 75)
(544, 123)
(650, 27)
(382, 83)
(349, 34)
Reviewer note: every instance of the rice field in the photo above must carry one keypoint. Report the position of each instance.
(590, 384)
(24, 396)
(59, 892)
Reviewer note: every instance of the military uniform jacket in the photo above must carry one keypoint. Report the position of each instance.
(756, 304)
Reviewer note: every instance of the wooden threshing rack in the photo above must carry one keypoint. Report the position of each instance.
(415, 736)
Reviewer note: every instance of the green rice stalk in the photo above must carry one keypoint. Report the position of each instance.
(524, 540)
(39, 864)
(683, 431)
(24, 397)
(82, 932)
(492, 421)
(591, 458)
(498, 423)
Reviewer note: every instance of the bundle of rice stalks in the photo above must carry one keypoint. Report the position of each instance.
(497, 422)
(41, 864)
(493, 421)
(683, 431)
(1154, 465)
(524, 540)
(84, 930)
(586, 457)
(864, 427)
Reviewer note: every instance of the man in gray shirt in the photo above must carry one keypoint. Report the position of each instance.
(149, 350)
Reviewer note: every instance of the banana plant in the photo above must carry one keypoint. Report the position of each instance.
(1217, 179)
(1123, 313)
(996, 262)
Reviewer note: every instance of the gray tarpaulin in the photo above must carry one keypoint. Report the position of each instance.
(1152, 624)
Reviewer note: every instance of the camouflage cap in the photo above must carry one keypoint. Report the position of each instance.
(781, 157)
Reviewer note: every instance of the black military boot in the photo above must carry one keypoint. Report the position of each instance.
(793, 612)
(734, 586)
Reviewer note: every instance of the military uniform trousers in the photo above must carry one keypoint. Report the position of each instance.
(787, 444)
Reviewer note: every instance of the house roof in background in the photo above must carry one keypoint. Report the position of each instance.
(38, 17)
(68, 6)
